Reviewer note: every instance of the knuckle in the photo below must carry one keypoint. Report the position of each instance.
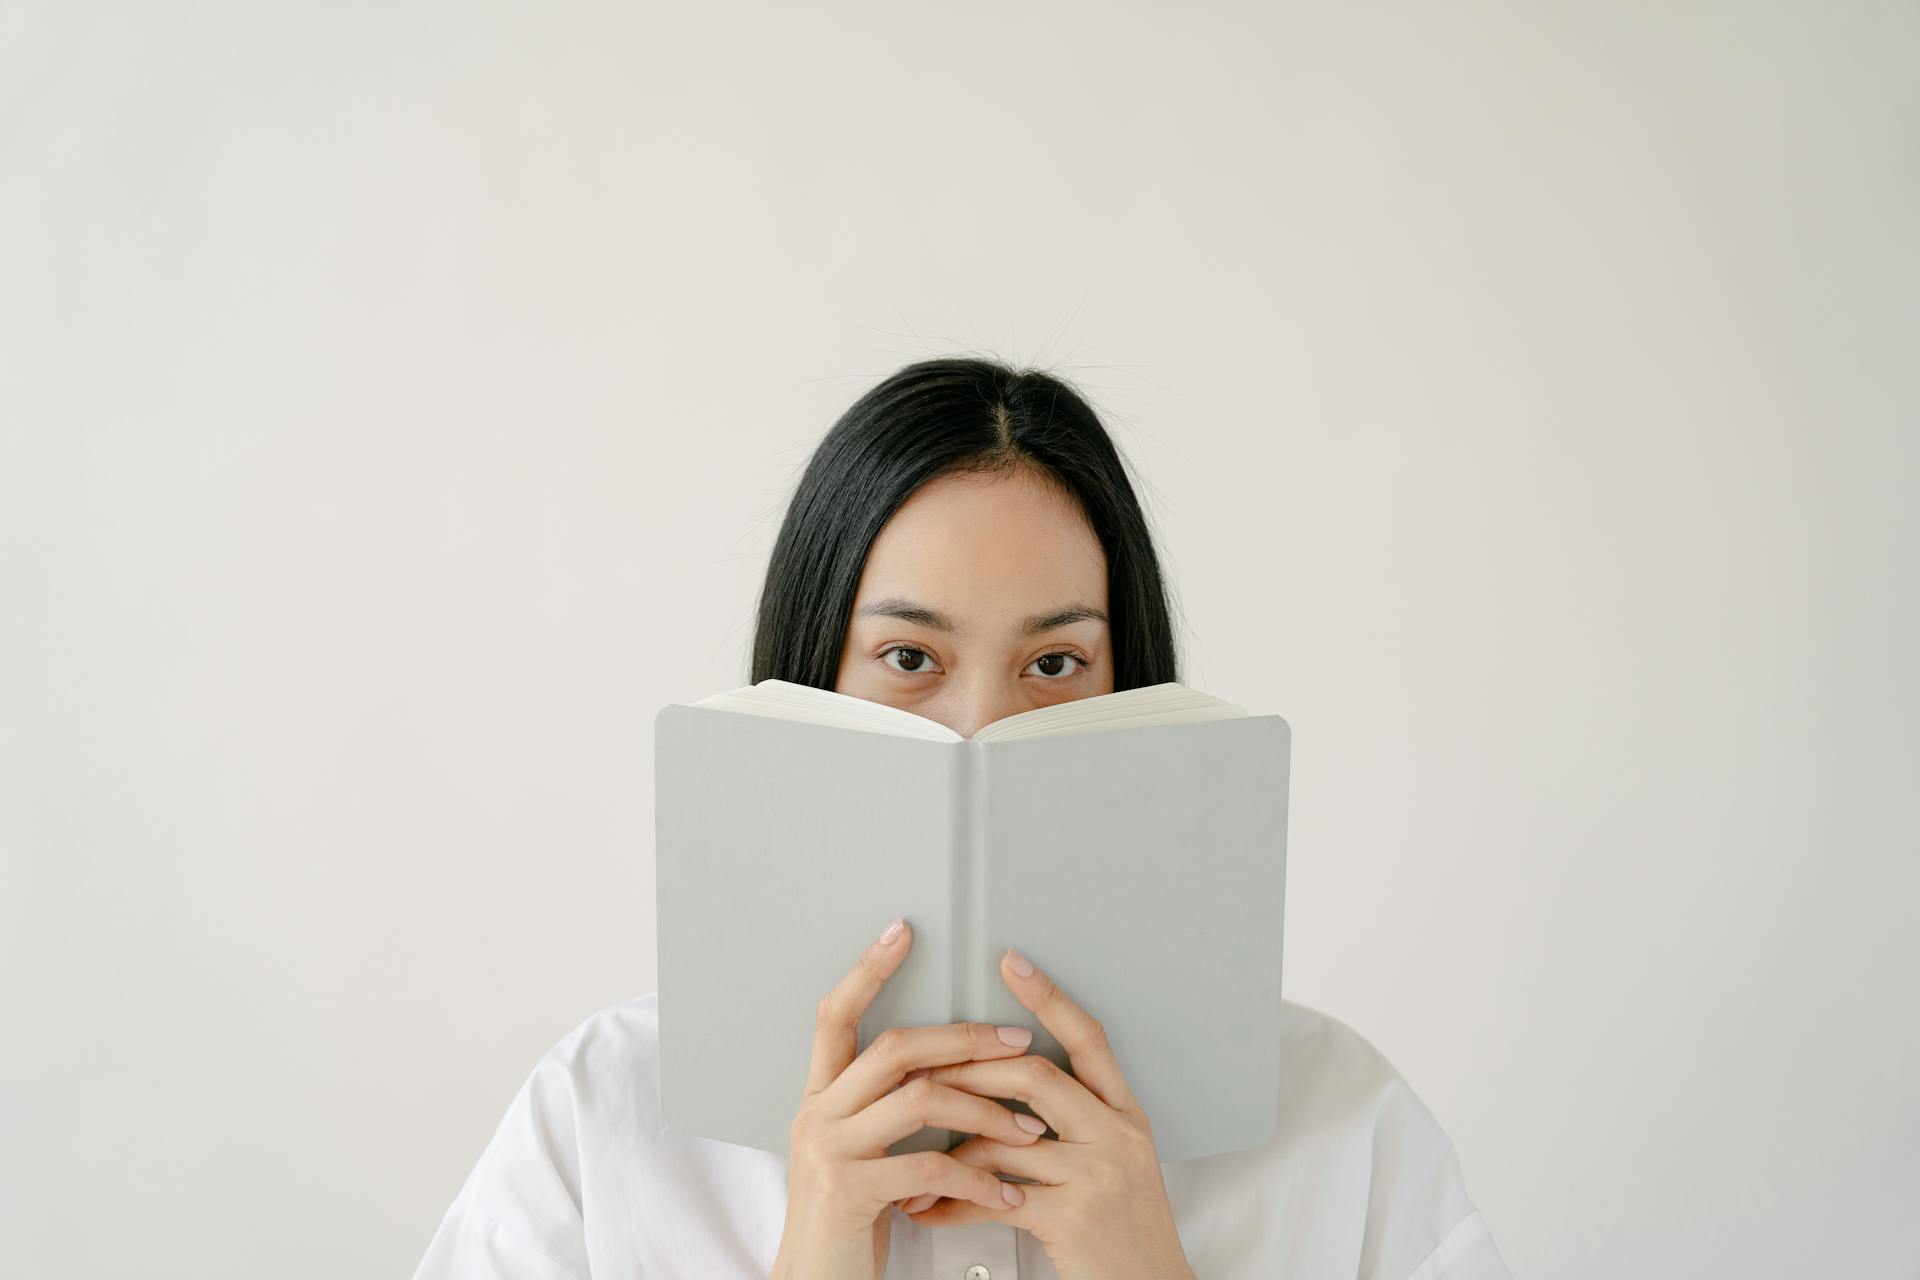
(1040, 1071)
(889, 1044)
(965, 1149)
(927, 1166)
(918, 1095)
(988, 1114)
(823, 1015)
(1047, 989)
(1097, 1036)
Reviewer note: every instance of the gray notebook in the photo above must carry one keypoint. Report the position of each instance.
(1132, 844)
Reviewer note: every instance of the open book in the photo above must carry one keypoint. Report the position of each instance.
(1132, 844)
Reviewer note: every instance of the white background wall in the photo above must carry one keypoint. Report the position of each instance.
(397, 402)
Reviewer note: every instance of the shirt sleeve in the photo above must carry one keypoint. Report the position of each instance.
(1466, 1254)
(1421, 1225)
(469, 1246)
(518, 1215)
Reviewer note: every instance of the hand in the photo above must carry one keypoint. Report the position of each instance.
(840, 1178)
(1097, 1203)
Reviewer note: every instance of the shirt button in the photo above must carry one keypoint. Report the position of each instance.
(978, 1272)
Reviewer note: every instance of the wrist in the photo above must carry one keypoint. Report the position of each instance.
(801, 1257)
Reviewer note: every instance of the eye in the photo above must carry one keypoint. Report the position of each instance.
(916, 666)
(1048, 660)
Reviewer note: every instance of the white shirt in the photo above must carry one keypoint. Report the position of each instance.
(582, 1181)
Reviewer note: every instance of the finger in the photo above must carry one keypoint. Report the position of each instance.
(912, 1107)
(1046, 1162)
(946, 1211)
(934, 1173)
(1079, 1032)
(836, 1022)
(1043, 1160)
(1056, 1097)
(897, 1050)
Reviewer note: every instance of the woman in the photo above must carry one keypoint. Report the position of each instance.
(963, 544)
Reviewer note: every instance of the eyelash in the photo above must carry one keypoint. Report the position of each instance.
(1084, 666)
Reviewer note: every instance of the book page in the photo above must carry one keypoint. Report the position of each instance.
(785, 700)
(1167, 703)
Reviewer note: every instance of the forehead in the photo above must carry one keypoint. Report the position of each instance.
(987, 546)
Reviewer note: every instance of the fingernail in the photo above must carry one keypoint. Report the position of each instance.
(892, 931)
(1018, 1037)
(1012, 1194)
(1019, 963)
(1032, 1124)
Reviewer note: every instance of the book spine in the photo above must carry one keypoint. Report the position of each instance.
(969, 870)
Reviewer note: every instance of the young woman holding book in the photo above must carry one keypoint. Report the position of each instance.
(965, 545)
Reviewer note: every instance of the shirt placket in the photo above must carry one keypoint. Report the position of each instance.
(975, 1251)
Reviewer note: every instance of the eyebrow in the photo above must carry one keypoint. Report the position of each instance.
(921, 615)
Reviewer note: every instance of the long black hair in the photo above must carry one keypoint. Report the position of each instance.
(948, 415)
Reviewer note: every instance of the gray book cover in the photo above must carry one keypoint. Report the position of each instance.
(1142, 867)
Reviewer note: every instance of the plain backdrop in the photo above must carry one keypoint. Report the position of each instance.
(398, 401)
